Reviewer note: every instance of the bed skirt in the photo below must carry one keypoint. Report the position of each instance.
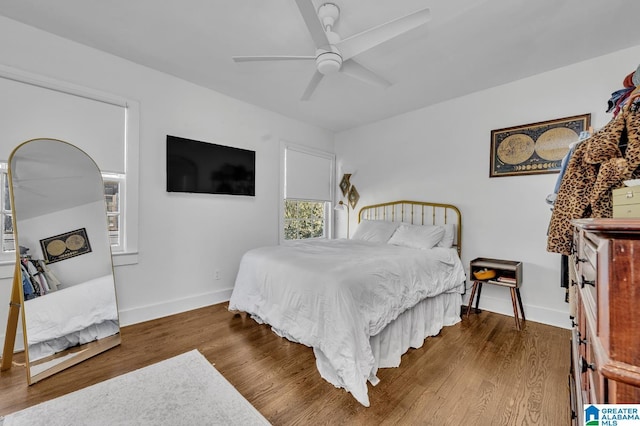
(413, 326)
(89, 334)
(408, 330)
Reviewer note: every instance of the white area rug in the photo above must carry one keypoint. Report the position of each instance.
(184, 390)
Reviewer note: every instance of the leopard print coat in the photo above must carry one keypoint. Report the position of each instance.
(596, 167)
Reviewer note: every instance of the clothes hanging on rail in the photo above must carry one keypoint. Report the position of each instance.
(52, 280)
(37, 279)
(625, 96)
(619, 97)
(596, 167)
(27, 286)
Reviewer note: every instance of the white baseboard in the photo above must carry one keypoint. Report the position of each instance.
(532, 313)
(19, 344)
(150, 312)
(176, 306)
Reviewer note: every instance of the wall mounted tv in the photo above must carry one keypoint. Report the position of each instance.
(202, 167)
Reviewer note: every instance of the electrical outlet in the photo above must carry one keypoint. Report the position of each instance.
(216, 274)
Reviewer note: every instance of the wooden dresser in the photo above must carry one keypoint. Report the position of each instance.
(605, 346)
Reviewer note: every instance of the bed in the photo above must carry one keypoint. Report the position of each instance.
(71, 316)
(360, 303)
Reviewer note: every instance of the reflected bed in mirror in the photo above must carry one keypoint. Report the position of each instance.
(64, 270)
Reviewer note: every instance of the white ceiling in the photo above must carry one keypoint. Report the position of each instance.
(468, 45)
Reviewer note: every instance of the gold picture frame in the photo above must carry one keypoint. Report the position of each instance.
(535, 148)
(353, 196)
(345, 184)
(65, 246)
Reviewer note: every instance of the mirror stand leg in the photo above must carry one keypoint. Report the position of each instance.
(12, 322)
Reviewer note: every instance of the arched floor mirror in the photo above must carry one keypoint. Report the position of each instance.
(64, 272)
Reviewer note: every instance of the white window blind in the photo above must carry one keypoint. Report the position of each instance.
(105, 126)
(308, 175)
(29, 111)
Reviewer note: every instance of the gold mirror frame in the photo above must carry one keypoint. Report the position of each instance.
(57, 199)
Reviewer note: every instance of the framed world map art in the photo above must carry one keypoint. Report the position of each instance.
(65, 246)
(534, 148)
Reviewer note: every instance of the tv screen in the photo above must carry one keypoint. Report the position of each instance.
(202, 167)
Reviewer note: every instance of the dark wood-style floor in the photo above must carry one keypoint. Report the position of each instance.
(481, 372)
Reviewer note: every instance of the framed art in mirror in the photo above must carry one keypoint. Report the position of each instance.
(64, 246)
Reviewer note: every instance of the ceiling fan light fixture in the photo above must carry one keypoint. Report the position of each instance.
(328, 62)
(334, 55)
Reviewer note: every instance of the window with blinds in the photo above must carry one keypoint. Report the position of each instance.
(307, 193)
(102, 125)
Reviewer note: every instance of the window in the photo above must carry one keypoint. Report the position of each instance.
(7, 243)
(304, 219)
(103, 125)
(113, 188)
(307, 193)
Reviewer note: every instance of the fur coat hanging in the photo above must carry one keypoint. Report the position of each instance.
(597, 166)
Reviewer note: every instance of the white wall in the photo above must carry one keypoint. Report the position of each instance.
(438, 153)
(441, 153)
(183, 238)
(77, 269)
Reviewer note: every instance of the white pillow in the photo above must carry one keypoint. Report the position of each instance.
(449, 235)
(375, 230)
(416, 236)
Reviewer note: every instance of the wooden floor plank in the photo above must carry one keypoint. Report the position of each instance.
(481, 371)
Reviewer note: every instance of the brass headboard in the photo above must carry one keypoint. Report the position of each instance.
(416, 213)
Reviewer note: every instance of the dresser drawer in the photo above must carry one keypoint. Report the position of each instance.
(626, 202)
(627, 210)
(626, 195)
(597, 393)
(586, 270)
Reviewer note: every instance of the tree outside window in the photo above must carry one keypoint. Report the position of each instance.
(304, 219)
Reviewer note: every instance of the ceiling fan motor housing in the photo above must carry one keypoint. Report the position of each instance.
(332, 52)
(328, 62)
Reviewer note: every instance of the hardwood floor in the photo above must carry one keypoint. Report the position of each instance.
(481, 372)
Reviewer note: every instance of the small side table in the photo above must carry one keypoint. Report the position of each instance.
(508, 274)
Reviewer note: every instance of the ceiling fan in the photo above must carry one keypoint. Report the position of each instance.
(335, 55)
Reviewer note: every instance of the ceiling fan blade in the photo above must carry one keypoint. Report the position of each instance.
(356, 44)
(310, 16)
(355, 70)
(271, 58)
(315, 80)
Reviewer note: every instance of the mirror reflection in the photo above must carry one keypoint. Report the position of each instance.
(60, 223)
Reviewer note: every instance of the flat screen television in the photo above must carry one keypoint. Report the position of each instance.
(202, 167)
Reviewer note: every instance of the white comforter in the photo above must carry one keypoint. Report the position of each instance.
(71, 309)
(333, 295)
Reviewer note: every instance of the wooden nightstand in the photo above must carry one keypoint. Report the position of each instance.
(508, 274)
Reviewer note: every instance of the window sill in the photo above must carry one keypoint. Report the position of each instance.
(119, 259)
(124, 258)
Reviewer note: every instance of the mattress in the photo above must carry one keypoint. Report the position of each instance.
(335, 295)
